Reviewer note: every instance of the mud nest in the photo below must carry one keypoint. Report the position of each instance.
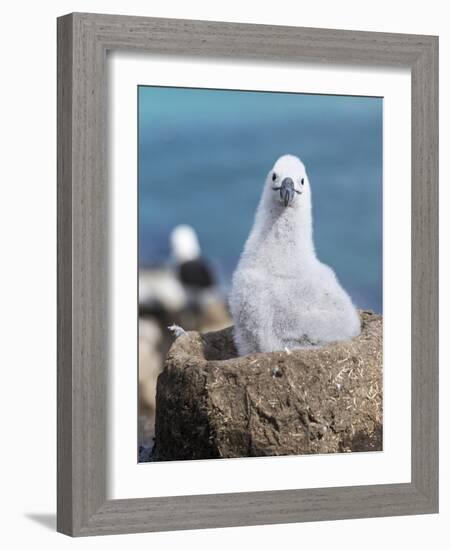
(210, 403)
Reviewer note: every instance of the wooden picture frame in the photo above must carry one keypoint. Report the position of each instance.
(83, 41)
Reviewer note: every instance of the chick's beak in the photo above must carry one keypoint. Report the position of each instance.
(287, 191)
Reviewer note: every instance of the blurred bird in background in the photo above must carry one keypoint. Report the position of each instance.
(193, 271)
(185, 293)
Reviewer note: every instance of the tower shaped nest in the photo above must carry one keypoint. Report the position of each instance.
(210, 403)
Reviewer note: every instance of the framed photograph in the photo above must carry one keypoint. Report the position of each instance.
(247, 274)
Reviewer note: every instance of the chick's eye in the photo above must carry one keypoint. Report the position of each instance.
(274, 176)
(302, 181)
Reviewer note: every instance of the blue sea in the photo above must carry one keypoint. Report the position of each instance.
(204, 155)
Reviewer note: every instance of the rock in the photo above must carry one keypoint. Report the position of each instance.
(150, 365)
(145, 454)
(208, 312)
(212, 404)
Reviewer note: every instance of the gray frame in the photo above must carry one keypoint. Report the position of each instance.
(83, 41)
